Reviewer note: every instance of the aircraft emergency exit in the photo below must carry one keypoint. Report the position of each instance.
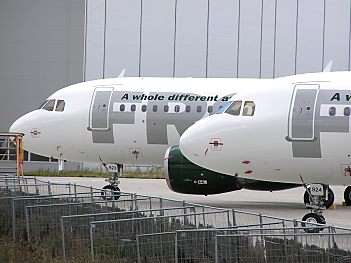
(296, 130)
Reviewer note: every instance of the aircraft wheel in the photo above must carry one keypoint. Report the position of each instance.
(329, 202)
(110, 192)
(347, 195)
(310, 220)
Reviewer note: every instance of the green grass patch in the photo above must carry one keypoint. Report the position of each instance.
(152, 173)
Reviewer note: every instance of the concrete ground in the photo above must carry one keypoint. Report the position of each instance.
(285, 204)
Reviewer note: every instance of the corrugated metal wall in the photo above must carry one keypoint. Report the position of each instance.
(215, 38)
(41, 51)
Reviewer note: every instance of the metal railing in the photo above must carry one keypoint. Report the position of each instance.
(74, 221)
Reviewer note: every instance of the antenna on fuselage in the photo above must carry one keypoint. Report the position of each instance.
(328, 67)
(121, 75)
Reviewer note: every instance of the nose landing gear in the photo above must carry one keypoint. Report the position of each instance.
(328, 202)
(112, 191)
(318, 199)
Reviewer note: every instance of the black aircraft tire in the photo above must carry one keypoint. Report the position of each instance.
(110, 192)
(347, 195)
(329, 202)
(314, 219)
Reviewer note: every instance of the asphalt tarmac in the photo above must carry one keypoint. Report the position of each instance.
(285, 204)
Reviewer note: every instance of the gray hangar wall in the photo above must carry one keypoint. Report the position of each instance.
(41, 51)
(215, 38)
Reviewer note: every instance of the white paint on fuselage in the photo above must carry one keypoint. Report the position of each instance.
(65, 134)
(261, 139)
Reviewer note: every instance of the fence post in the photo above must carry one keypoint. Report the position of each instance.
(263, 240)
(75, 189)
(176, 247)
(138, 248)
(135, 202)
(36, 186)
(13, 221)
(92, 242)
(92, 194)
(161, 206)
(234, 217)
(216, 249)
(228, 216)
(285, 242)
(329, 245)
(49, 188)
(27, 223)
(63, 241)
(295, 241)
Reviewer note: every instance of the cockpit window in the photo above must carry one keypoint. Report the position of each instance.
(234, 108)
(60, 105)
(49, 106)
(42, 105)
(222, 108)
(249, 108)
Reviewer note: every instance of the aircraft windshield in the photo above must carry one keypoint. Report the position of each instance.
(234, 108)
(224, 107)
(42, 105)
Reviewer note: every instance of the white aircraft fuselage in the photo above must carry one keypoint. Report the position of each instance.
(293, 127)
(124, 120)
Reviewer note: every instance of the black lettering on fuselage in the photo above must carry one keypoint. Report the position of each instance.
(157, 121)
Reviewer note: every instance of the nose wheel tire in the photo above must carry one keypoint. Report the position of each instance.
(110, 192)
(347, 195)
(329, 202)
(310, 221)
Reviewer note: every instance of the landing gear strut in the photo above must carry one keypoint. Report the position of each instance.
(317, 194)
(112, 191)
(328, 202)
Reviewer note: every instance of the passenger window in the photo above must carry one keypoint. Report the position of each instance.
(166, 108)
(176, 108)
(143, 108)
(209, 109)
(187, 108)
(42, 105)
(154, 108)
(249, 108)
(347, 111)
(122, 107)
(49, 106)
(133, 107)
(198, 108)
(332, 111)
(235, 108)
(60, 105)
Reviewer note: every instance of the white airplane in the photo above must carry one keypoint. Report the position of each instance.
(134, 121)
(296, 130)
(124, 120)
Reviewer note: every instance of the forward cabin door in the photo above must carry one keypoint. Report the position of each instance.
(100, 109)
(302, 112)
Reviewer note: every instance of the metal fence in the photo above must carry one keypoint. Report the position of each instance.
(75, 222)
(243, 244)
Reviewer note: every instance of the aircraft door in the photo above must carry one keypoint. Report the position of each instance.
(302, 112)
(100, 108)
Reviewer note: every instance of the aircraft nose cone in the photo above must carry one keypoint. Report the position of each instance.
(21, 125)
(188, 141)
(16, 127)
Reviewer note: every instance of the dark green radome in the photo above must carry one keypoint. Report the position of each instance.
(186, 177)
